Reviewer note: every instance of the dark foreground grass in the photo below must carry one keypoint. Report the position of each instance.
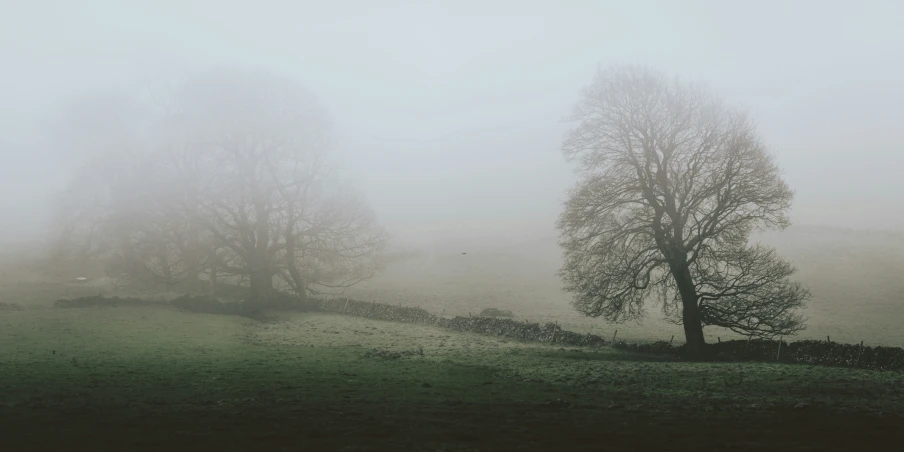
(157, 379)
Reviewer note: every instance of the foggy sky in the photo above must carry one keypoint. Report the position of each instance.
(447, 115)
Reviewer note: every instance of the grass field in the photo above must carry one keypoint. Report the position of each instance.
(159, 379)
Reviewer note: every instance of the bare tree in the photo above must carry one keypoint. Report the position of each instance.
(232, 179)
(672, 183)
(267, 194)
(332, 243)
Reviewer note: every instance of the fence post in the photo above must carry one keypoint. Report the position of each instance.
(749, 337)
(345, 308)
(719, 339)
(859, 354)
(554, 328)
(778, 355)
(613, 337)
(828, 340)
(672, 339)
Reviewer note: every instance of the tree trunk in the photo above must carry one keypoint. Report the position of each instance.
(213, 280)
(298, 281)
(261, 285)
(261, 274)
(690, 313)
(192, 268)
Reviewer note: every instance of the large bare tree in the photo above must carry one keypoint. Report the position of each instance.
(233, 180)
(273, 206)
(672, 183)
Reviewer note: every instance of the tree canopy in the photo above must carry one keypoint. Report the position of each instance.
(232, 181)
(672, 183)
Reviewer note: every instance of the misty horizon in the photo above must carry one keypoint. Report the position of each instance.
(451, 128)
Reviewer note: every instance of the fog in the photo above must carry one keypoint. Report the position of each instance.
(448, 115)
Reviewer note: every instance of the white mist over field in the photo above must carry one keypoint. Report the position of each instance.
(448, 115)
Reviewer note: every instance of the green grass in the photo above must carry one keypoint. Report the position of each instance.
(155, 378)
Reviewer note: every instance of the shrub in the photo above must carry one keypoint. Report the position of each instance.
(101, 301)
(10, 306)
(493, 312)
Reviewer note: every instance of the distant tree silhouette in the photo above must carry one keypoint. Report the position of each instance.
(227, 178)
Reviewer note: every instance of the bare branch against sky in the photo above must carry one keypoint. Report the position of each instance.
(447, 115)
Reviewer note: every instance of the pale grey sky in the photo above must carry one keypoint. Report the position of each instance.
(447, 113)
